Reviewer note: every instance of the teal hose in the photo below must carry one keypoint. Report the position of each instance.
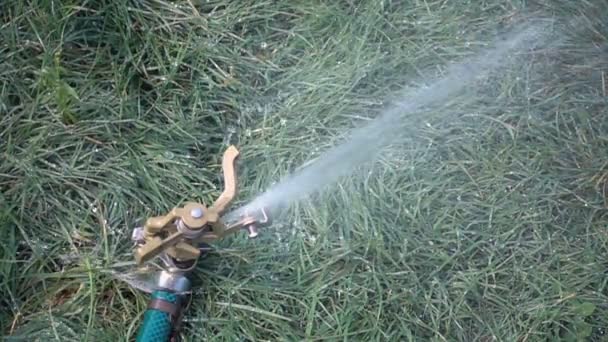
(158, 321)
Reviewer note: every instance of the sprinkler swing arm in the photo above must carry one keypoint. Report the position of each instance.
(178, 238)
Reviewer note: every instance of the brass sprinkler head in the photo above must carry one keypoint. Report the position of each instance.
(176, 236)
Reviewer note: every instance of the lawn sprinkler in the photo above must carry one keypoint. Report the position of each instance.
(178, 239)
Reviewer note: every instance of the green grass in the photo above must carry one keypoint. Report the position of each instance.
(489, 225)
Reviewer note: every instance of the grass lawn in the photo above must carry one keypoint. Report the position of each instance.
(488, 222)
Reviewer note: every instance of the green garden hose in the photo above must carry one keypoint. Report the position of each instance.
(160, 317)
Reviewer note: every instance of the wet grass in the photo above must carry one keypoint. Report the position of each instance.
(489, 225)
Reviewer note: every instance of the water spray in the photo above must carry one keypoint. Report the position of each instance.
(366, 142)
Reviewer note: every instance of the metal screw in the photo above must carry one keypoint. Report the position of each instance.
(252, 230)
(196, 213)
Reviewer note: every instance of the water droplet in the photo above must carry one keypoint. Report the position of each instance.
(169, 155)
(264, 45)
(94, 209)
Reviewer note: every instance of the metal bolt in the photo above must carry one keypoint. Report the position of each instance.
(196, 213)
(252, 230)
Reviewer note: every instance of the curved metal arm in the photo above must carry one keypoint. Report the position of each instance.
(229, 181)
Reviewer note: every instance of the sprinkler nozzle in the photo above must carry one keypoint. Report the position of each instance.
(176, 236)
